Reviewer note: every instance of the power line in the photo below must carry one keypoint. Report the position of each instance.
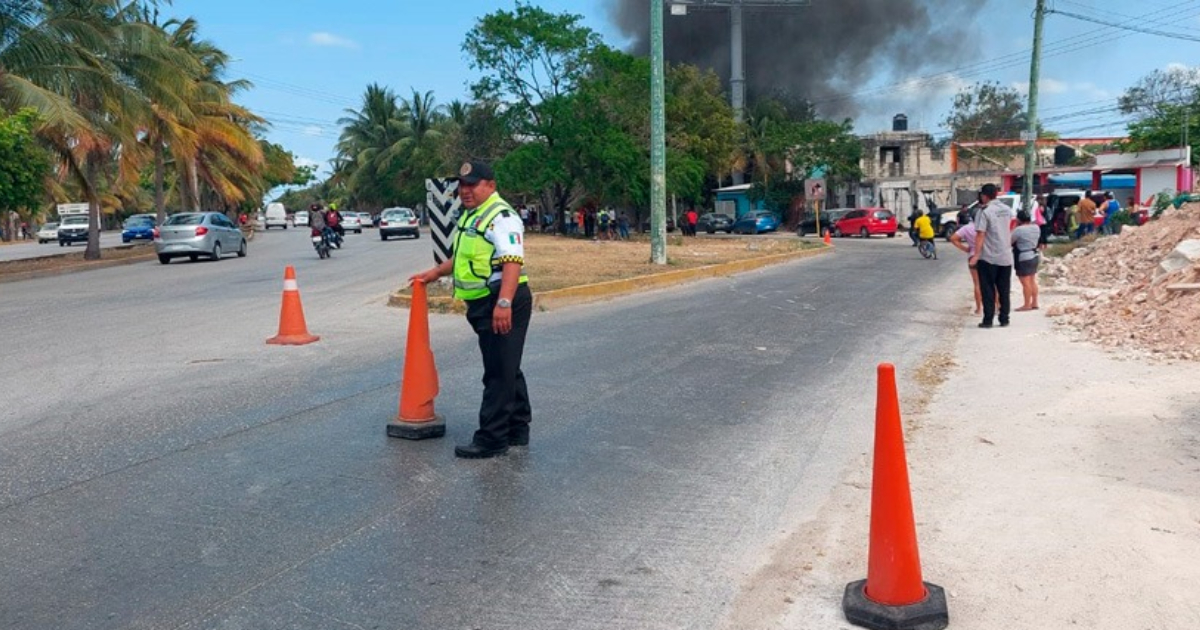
(1136, 29)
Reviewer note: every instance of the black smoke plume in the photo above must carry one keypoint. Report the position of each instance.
(827, 52)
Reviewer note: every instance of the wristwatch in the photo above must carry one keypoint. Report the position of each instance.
(503, 303)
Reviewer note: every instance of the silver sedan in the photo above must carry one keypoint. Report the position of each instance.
(196, 234)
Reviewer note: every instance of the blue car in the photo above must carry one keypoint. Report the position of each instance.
(756, 222)
(139, 227)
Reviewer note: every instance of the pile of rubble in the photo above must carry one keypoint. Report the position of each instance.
(1139, 290)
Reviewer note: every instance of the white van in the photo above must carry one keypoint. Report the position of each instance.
(276, 216)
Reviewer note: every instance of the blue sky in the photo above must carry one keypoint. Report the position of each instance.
(311, 59)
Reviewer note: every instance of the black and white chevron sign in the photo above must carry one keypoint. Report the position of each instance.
(443, 204)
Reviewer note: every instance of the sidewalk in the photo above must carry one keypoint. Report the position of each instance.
(1055, 486)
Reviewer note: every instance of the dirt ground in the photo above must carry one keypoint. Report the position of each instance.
(1055, 485)
(555, 262)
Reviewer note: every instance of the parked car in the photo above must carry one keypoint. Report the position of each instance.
(351, 222)
(713, 222)
(646, 225)
(945, 221)
(367, 220)
(866, 222)
(398, 222)
(756, 222)
(73, 229)
(48, 232)
(196, 234)
(139, 227)
(828, 218)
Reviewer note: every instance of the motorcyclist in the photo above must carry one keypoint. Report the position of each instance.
(333, 219)
(316, 221)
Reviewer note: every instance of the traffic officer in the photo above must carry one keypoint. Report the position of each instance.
(487, 264)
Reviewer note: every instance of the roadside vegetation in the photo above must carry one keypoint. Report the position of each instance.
(131, 111)
(564, 119)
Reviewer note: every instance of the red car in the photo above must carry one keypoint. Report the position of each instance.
(867, 221)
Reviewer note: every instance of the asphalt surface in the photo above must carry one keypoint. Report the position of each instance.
(160, 467)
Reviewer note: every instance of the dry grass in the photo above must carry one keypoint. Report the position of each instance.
(1058, 250)
(556, 262)
(73, 260)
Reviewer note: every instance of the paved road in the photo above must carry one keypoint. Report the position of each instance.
(165, 469)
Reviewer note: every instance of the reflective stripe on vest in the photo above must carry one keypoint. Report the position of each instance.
(474, 255)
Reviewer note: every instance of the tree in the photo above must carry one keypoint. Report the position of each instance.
(1164, 106)
(534, 60)
(26, 166)
(1161, 92)
(987, 111)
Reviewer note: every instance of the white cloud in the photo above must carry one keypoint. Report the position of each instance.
(1176, 66)
(1085, 89)
(314, 130)
(329, 39)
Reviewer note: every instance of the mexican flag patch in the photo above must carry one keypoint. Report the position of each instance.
(514, 238)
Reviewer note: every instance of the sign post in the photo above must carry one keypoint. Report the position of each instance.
(444, 205)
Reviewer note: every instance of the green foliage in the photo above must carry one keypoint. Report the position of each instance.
(987, 111)
(24, 166)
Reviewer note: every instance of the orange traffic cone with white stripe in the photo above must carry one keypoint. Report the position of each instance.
(292, 329)
(419, 385)
(893, 597)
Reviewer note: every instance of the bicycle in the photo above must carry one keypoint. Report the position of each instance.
(927, 249)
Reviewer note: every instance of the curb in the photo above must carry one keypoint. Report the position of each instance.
(81, 265)
(547, 300)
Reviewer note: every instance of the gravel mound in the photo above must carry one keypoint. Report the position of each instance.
(1125, 297)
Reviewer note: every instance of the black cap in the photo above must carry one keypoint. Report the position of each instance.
(474, 172)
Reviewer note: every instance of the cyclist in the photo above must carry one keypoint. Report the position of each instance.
(923, 226)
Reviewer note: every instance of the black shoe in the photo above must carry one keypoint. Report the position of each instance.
(985, 325)
(518, 440)
(1004, 324)
(475, 451)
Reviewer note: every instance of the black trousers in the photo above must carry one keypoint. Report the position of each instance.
(995, 280)
(505, 409)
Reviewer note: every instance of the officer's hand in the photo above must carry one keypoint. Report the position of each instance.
(501, 320)
(428, 276)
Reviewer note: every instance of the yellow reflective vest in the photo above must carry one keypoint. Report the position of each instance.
(474, 256)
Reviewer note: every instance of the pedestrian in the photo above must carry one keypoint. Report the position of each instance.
(579, 221)
(603, 220)
(1086, 216)
(993, 255)
(589, 223)
(964, 239)
(1041, 218)
(25, 231)
(524, 212)
(1111, 208)
(487, 264)
(1026, 244)
(623, 225)
(692, 218)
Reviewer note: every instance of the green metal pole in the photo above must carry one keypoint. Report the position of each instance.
(1034, 71)
(658, 139)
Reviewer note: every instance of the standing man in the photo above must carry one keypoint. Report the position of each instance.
(993, 256)
(692, 220)
(487, 264)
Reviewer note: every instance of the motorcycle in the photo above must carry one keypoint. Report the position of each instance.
(321, 244)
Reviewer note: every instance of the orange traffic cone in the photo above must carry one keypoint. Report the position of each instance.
(292, 329)
(419, 385)
(893, 597)
(828, 241)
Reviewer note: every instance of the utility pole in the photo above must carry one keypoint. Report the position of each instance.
(737, 75)
(1032, 133)
(658, 139)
